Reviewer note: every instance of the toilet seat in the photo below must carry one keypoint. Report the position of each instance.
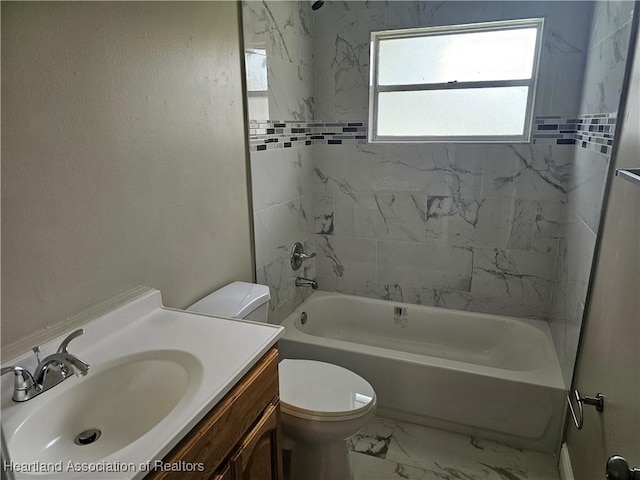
(323, 392)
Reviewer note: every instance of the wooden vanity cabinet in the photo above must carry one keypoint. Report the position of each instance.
(239, 439)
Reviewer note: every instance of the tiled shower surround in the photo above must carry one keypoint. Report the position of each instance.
(482, 227)
(465, 226)
(606, 55)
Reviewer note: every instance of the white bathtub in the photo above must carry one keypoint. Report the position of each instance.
(485, 375)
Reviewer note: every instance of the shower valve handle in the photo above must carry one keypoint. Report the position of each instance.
(298, 255)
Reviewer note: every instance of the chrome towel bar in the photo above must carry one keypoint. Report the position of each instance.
(597, 401)
(630, 174)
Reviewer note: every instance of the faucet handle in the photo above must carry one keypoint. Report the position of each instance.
(65, 343)
(298, 255)
(24, 386)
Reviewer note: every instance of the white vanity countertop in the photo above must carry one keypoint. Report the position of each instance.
(220, 350)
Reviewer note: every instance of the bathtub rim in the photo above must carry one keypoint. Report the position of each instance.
(549, 375)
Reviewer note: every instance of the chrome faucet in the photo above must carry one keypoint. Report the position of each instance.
(306, 282)
(58, 367)
(51, 371)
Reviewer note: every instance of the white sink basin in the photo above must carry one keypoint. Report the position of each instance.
(154, 374)
(123, 401)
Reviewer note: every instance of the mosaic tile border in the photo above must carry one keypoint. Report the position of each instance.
(554, 130)
(596, 132)
(271, 134)
(593, 132)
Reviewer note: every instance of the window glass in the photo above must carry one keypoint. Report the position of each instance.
(453, 112)
(468, 83)
(463, 57)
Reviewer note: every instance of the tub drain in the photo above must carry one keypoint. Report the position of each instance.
(88, 437)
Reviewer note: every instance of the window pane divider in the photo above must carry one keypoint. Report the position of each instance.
(453, 85)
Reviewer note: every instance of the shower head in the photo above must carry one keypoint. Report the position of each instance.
(316, 4)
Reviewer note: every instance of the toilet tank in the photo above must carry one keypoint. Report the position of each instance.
(248, 301)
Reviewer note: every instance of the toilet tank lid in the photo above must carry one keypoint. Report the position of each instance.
(238, 299)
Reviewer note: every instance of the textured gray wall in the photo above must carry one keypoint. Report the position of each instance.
(123, 155)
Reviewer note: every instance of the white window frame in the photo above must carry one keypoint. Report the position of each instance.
(531, 83)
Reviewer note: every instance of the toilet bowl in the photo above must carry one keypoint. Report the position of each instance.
(321, 404)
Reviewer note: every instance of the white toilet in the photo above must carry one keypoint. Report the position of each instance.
(321, 404)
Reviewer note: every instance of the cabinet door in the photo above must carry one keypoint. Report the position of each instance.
(223, 429)
(225, 474)
(260, 457)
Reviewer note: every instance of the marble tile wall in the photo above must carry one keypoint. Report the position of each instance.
(475, 227)
(283, 214)
(281, 32)
(341, 47)
(282, 179)
(603, 77)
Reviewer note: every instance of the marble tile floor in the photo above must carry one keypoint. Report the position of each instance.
(388, 449)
